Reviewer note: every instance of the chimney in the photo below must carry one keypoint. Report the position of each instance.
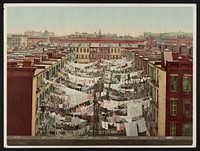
(44, 57)
(37, 60)
(12, 64)
(49, 54)
(166, 56)
(27, 63)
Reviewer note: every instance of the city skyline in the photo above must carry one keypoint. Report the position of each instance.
(121, 20)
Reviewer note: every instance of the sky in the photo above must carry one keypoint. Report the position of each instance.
(120, 20)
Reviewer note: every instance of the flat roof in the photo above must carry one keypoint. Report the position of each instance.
(37, 71)
(42, 65)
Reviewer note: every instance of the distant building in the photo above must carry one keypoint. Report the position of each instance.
(38, 34)
(83, 53)
(17, 41)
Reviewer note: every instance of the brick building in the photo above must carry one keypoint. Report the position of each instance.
(27, 91)
(170, 87)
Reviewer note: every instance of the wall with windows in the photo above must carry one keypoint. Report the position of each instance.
(179, 98)
(83, 55)
(115, 52)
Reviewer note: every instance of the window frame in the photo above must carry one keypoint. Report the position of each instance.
(173, 76)
(172, 129)
(189, 77)
(173, 107)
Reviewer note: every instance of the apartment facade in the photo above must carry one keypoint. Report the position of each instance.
(28, 91)
(179, 97)
(83, 53)
(170, 86)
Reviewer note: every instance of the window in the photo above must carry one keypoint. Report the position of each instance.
(187, 108)
(172, 129)
(173, 83)
(187, 130)
(187, 83)
(173, 107)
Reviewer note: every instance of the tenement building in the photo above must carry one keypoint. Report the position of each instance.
(170, 86)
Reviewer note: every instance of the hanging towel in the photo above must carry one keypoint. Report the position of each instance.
(88, 128)
(142, 125)
(134, 109)
(131, 129)
(103, 124)
(106, 125)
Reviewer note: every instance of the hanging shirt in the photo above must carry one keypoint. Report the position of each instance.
(106, 125)
(103, 124)
(131, 129)
(73, 121)
(77, 121)
(141, 125)
(88, 128)
(134, 109)
(118, 126)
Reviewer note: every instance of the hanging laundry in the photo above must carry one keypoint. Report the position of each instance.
(134, 108)
(122, 127)
(131, 129)
(88, 128)
(118, 126)
(106, 125)
(60, 105)
(103, 124)
(73, 121)
(77, 120)
(141, 125)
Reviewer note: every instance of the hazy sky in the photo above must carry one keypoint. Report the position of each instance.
(120, 20)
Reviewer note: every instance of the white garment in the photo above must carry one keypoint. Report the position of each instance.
(141, 125)
(60, 105)
(131, 129)
(57, 118)
(112, 120)
(103, 124)
(73, 121)
(118, 126)
(134, 109)
(106, 125)
(88, 128)
(76, 121)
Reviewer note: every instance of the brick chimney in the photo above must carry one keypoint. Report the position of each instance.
(12, 64)
(50, 54)
(27, 63)
(44, 57)
(37, 60)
